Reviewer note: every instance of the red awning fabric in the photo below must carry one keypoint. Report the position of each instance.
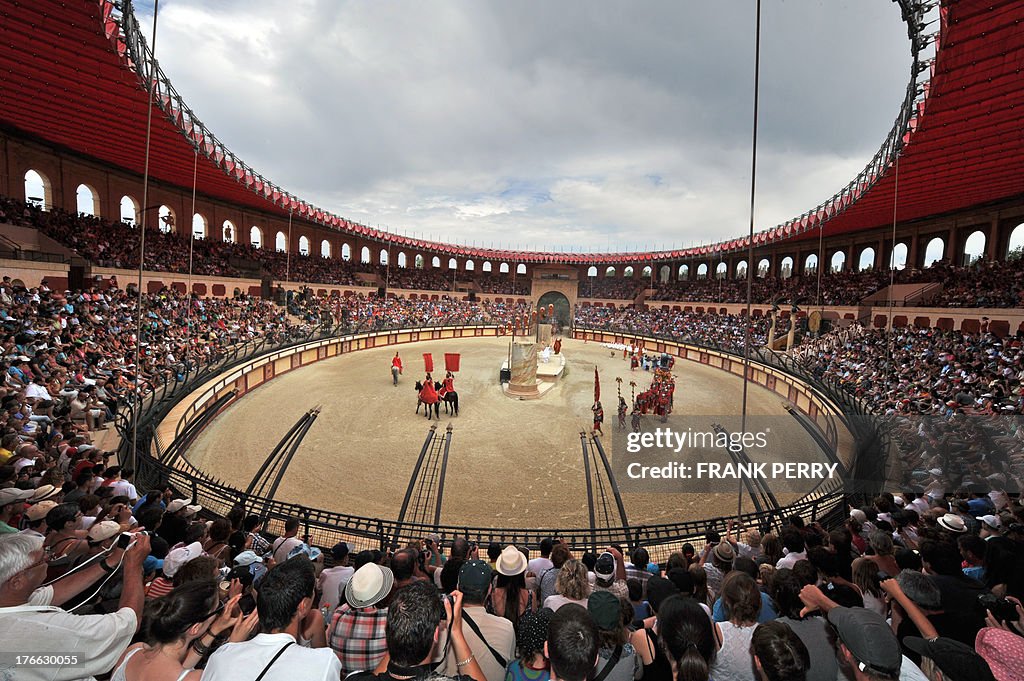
(65, 82)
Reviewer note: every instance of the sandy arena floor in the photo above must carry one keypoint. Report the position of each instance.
(512, 463)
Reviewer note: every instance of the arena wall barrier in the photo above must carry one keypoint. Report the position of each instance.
(165, 413)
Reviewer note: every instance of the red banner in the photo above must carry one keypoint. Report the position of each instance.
(428, 362)
(451, 362)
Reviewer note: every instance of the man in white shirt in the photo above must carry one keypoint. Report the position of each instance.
(795, 549)
(30, 624)
(288, 621)
(121, 483)
(333, 580)
(284, 544)
(539, 566)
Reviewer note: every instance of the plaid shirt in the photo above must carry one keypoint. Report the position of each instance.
(357, 637)
(634, 572)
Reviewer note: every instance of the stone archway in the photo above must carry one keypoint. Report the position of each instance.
(562, 308)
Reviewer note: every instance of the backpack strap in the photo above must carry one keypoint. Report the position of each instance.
(612, 661)
(476, 630)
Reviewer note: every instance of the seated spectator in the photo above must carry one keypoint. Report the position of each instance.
(742, 599)
(173, 561)
(572, 586)
(865, 578)
(509, 597)
(689, 643)
(572, 645)
(793, 547)
(216, 544)
(608, 575)
(176, 520)
(284, 544)
(645, 639)
(29, 623)
(641, 608)
(287, 618)
(491, 639)
(617, 659)
(952, 659)
(721, 614)
(640, 568)
(357, 630)
(254, 541)
(531, 634)
(1003, 651)
(12, 503)
(779, 654)
(331, 585)
(172, 628)
(548, 577)
(417, 619)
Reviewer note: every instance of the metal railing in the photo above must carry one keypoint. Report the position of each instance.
(325, 528)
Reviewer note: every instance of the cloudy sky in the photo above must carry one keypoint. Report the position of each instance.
(577, 124)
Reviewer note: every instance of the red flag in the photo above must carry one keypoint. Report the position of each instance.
(428, 362)
(451, 362)
(597, 386)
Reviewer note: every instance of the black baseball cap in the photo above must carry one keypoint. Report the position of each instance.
(954, 659)
(867, 636)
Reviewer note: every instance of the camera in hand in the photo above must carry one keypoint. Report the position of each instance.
(125, 540)
(247, 604)
(451, 602)
(1002, 609)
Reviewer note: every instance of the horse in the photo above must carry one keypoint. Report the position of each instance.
(451, 402)
(419, 401)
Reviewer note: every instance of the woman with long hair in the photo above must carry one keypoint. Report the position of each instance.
(171, 633)
(865, 578)
(216, 544)
(771, 549)
(510, 598)
(700, 585)
(742, 600)
(687, 639)
(572, 586)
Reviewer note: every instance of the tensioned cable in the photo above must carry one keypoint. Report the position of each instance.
(191, 245)
(750, 237)
(892, 264)
(137, 407)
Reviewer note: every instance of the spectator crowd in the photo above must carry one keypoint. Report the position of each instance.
(101, 577)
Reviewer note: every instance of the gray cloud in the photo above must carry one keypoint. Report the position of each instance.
(583, 124)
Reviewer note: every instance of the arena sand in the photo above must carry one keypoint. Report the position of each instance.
(512, 463)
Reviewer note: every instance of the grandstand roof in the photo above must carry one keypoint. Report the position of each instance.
(70, 81)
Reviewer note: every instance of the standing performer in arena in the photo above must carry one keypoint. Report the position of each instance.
(396, 368)
(598, 416)
(622, 412)
(558, 345)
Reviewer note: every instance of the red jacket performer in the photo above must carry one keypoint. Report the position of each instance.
(396, 368)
